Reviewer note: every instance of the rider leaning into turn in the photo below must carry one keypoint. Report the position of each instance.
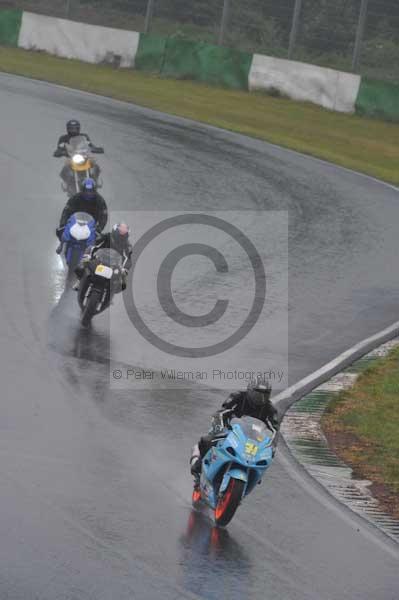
(254, 402)
(117, 239)
(88, 200)
(73, 130)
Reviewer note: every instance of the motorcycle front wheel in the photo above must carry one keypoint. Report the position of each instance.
(196, 497)
(229, 502)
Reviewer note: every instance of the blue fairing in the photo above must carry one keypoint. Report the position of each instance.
(245, 453)
(79, 234)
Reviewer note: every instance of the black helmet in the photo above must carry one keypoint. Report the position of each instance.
(120, 235)
(259, 391)
(73, 127)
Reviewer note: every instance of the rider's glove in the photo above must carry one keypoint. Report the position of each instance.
(230, 401)
(59, 152)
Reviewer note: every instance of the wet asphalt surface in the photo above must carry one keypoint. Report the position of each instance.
(95, 490)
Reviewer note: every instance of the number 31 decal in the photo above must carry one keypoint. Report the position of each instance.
(251, 448)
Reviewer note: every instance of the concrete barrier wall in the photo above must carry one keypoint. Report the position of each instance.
(304, 82)
(77, 40)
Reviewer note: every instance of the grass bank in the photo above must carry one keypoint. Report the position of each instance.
(362, 426)
(365, 145)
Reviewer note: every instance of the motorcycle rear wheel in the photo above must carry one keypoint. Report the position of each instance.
(229, 502)
(91, 308)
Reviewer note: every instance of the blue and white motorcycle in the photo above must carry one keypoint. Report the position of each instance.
(233, 466)
(78, 235)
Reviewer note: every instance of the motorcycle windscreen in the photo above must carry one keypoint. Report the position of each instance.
(78, 145)
(109, 257)
(83, 218)
(81, 226)
(254, 429)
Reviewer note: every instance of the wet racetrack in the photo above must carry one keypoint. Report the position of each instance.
(95, 489)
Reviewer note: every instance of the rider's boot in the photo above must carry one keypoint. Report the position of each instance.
(196, 466)
(124, 279)
(79, 271)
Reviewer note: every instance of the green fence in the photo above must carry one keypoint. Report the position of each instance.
(184, 59)
(150, 53)
(10, 24)
(378, 99)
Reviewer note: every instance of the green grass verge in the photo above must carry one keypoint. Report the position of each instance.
(363, 423)
(366, 145)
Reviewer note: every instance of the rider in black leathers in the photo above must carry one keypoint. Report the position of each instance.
(73, 130)
(89, 201)
(254, 402)
(117, 239)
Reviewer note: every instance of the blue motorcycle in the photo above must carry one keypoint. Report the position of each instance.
(78, 235)
(233, 466)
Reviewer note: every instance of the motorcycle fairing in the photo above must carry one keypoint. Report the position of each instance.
(236, 456)
(80, 233)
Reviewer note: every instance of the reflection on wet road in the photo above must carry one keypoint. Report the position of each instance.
(95, 488)
(212, 550)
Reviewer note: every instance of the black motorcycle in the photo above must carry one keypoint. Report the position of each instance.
(102, 278)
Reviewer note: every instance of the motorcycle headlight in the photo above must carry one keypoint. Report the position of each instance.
(78, 159)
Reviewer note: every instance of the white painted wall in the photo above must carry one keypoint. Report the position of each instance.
(300, 81)
(77, 40)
